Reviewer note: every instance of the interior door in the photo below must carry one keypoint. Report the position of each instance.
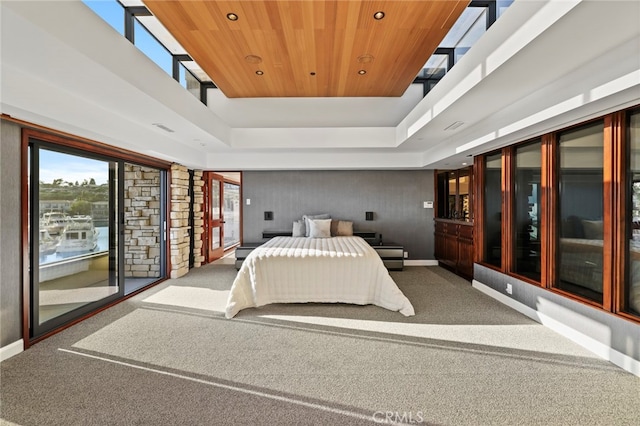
(215, 217)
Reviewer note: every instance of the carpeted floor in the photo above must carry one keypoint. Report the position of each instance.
(169, 357)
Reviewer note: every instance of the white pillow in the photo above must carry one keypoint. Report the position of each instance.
(298, 229)
(306, 217)
(319, 228)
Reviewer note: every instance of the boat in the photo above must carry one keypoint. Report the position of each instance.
(48, 244)
(79, 236)
(54, 222)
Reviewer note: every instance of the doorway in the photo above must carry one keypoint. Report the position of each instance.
(222, 213)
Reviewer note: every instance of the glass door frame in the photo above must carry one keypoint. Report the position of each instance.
(38, 328)
(212, 222)
(238, 183)
(208, 177)
(36, 139)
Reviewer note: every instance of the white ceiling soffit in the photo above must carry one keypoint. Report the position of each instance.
(526, 75)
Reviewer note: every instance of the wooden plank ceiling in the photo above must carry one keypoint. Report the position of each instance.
(309, 48)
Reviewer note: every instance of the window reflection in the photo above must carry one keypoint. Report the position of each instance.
(526, 208)
(580, 224)
(632, 291)
(493, 210)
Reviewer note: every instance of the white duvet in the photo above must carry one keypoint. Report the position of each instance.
(323, 270)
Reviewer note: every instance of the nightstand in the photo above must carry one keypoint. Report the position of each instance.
(243, 251)
(392, 255)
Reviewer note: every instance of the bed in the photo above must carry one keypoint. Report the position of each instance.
(343, 269)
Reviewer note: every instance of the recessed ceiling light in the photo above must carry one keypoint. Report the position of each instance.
(232, 16)
(464, 164)
(259, 72)
(312, 73)
(362, 72)
(365, 59)
(378, 15)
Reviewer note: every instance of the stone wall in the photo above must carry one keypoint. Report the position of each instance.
(198, 219)
(179, 221)
(142, 222)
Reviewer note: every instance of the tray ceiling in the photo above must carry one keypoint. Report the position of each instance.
(323, 48)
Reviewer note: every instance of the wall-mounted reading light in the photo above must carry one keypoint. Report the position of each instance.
(368, 215)
(268, 215)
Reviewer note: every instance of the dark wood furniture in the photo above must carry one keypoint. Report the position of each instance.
(454, 246)
(392, 255)
(243, 250)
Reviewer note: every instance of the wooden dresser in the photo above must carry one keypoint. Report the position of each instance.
(454, 246)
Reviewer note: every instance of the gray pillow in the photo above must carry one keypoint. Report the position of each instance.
(298, 229)
(306, 217)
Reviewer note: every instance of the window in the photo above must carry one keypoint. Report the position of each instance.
(493, 210)
(526, 210)
(152, 48)
(580, 225)
(110, 11)
(188, 81)
(565, 212)
(631, 291)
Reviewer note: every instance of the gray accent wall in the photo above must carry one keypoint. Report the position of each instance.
(395, 196)
(10, 259)
(610, 330)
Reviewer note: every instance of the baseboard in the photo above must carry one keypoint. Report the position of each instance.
(602, 350)
(11, 349)
(421, 262)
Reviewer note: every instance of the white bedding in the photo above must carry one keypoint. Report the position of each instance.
(323, 270)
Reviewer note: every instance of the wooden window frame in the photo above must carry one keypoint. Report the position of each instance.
(33, 131)
(615, 211)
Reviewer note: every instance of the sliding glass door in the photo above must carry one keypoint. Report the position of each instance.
(74, 238)
(95, 231)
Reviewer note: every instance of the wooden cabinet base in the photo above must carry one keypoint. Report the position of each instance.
(454, 246)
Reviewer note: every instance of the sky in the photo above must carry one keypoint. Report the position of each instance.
(71, 168)
(113, 13)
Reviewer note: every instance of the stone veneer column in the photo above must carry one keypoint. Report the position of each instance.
(198, 218)
(179, 221)
(142, 221)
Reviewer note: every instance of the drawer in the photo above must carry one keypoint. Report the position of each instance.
(388, 252)
(243, 251)
(393, 264)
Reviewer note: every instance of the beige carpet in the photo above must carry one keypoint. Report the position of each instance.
(168, 356)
